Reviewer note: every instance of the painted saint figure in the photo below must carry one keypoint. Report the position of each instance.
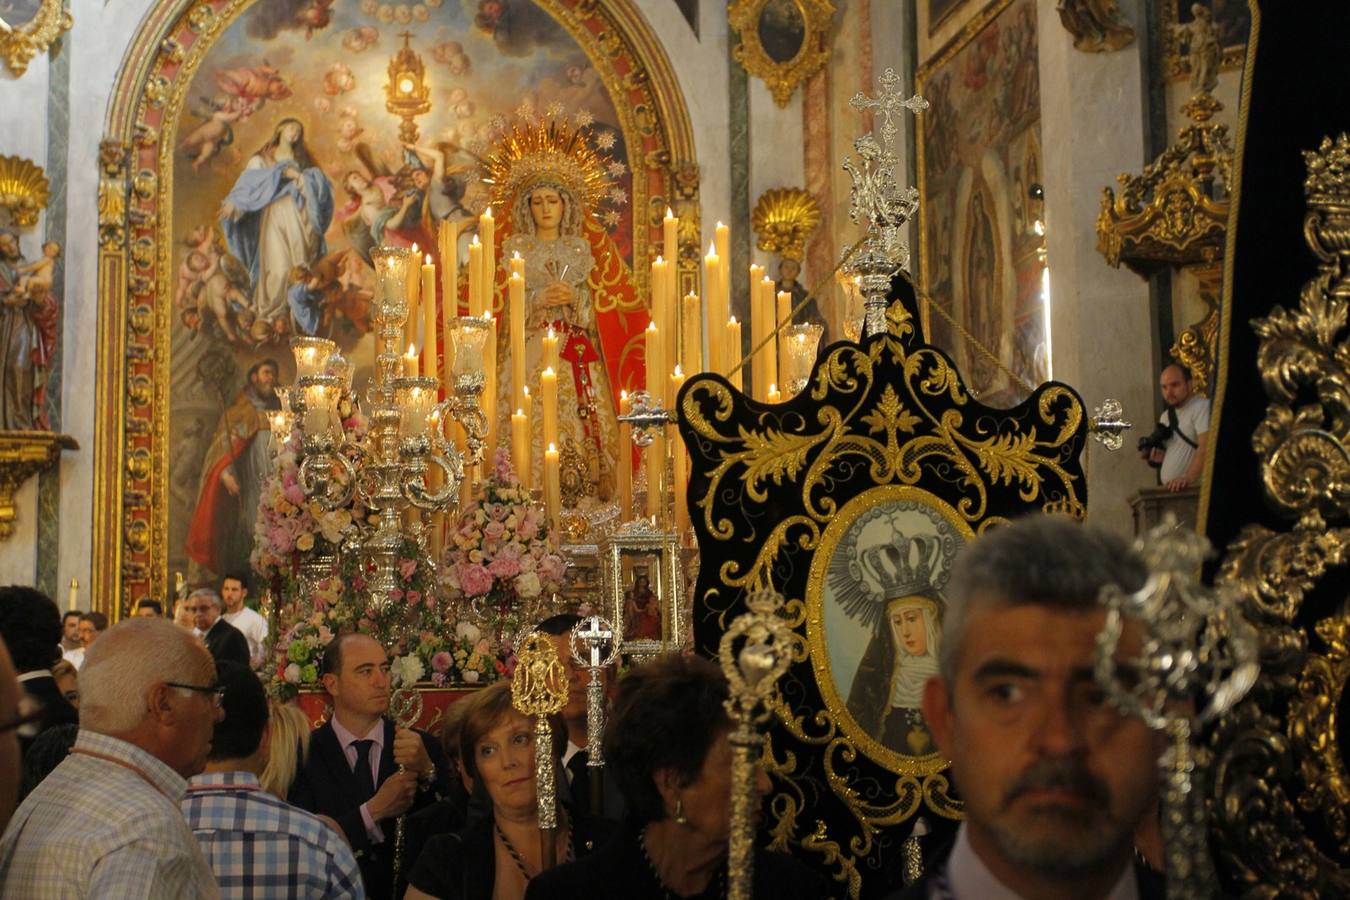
(900, 658)
(274, 220)
(641, 612)
(220, 537)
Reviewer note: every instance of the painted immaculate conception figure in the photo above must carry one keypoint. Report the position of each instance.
(550, 179)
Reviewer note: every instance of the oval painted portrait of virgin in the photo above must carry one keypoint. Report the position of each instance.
(875, 607)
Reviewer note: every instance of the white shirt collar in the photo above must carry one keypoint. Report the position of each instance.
(35, 674)
(970, 879)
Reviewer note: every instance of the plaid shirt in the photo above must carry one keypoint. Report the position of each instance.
(260, 846)
(104, 823)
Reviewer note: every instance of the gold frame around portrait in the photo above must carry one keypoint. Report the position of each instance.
(20, 44)
(637, 540)
(918, 766)
(782, 77)
(136, 163)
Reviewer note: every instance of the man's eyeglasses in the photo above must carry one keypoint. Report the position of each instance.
(216, 691)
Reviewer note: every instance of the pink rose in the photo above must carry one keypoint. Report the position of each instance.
(442, 662)
(552, 567)
(494, 531)
(475, 580)
(406, 568)
(295, 494)
(395, 595)
(504, 567)
(413, 597)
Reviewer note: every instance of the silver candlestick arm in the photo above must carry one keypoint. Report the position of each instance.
(1177, 654)
(1107, 424)
(593, 646)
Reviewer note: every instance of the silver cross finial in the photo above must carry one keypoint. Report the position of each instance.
(889, 100)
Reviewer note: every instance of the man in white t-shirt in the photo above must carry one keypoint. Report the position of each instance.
(233, 590)
(1182, 458)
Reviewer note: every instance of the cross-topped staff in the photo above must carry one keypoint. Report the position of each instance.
(878, 202)
(753, 653)
(595, 636)
(405, 708)
(1196, 658)
(539, 689)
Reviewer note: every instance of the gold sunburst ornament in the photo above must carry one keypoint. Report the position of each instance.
(547, 151)
(783, 219)
(24, 189)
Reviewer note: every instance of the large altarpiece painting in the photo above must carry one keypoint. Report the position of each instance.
(981, 225)
(264, 162)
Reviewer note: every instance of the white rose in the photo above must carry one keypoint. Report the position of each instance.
(527, 585)
(468, 631)
(407, 669)
(292, 674)
(471, 676)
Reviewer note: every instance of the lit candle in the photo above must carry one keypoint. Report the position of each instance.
(655, 362)
(712, 290)
(520, 444)
(475, 277)
(552, 487)
(516, 325)
(659, 312)
(770, 351)
(551, 349)
(775, 396)
(681, 463)
(625, 460)
(527, 404)
(430, 365)
(548, 396)
(758, 328)
(670, 246)
(487, 227)
(490, 386)
(692, 357)
(448, 244)
(722, 240)
(74, 600)
(784, 322)
(414, 290)
(410, 362)
(656, 464)
(733, 352)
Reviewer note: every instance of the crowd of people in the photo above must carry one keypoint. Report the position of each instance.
(166, 771)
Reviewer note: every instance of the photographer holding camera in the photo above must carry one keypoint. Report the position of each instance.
(1177, 445)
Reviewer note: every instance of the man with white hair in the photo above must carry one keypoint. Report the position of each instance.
(222, 639)
(106, 821)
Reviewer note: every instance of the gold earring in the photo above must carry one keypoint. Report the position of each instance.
(679, 813)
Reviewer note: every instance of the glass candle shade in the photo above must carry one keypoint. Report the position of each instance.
(415, 398)
(311, 355)
(341, 367)
(392, 265)
(469, 335)
(800, 344)
(320, 394)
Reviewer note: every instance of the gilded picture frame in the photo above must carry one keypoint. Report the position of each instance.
(642, 585)
(843, 556)
(781, 42)
(20, 41)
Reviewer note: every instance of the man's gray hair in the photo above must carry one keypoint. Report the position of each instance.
(1037, 560)
(129, 659)
(209, 593)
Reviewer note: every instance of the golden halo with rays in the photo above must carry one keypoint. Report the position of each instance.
(546, 151)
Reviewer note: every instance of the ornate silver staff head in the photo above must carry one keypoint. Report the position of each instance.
(539, 689)
(593, 645)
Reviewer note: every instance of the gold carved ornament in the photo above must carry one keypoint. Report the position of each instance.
(24, 190)
(21, 41)
(783, 219)
(770, 484)
(781, 66)
(1280, 791)
(1176, 214)
(22, 455)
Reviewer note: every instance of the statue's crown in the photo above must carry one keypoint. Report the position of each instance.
(905, 567)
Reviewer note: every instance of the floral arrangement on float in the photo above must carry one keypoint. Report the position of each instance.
(500, 567)
(498, 575)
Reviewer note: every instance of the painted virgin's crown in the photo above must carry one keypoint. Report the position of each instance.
(903, 568)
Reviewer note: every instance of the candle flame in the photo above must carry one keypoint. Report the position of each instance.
(551, 335)
(525, 390)
(487, 213)
(414, 248)
(731, 321)
(552, 447)
(412, 351)
(659, 260)
(679, 373)
(712, 248)
(515, 254)
(520, 411)
(669, 213)
(720, 225)
(651, 326)
(623, 395)
(549, 371)
(428, 259)
(773, 388)
(474, 242)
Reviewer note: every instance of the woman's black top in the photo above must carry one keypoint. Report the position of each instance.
(462, 865)
(619, 870)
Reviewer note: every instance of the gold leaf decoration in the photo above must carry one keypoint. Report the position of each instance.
(24, 189)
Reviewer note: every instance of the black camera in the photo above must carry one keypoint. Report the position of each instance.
(1156, 440)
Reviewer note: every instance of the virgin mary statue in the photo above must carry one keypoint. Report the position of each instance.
(550, 180)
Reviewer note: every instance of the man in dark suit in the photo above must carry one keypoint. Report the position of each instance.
(223, 640)
(30, 624)
(353, 771)
(1055, 779)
